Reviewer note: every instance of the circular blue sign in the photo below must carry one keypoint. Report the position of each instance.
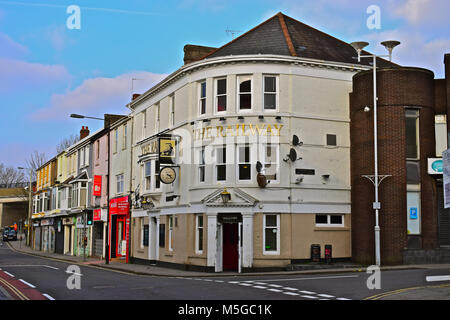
(437, 165)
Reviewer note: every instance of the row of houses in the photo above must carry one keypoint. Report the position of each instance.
(250, 155)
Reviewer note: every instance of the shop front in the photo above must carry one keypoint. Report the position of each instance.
(119, 228)
(59, 235)
(68, 225)
(48, 235)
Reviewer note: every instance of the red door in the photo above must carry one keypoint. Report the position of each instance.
(230, 246)
(120, 236)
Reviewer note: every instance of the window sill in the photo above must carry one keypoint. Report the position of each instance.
(331, 228)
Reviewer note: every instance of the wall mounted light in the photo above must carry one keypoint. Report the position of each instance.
(225, 195)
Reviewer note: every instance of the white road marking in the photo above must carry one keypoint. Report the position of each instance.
(308, 292)
(275, 285)
(288, 288)
(309, 297)
(29, 265)
(259, 287)
(291, 293)
(218, 280)
(245, 284)
(342, 299)
(234, 282)
(302, 279)
(28, 284)
(209, 280)
(325, 296)
(48, 296)
(274, 290)
(438, 278)
(9, 274)
(260, 283)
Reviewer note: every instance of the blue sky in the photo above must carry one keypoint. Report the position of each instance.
(48, 71)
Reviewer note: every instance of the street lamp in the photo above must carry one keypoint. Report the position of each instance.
(359, 46)
(79, 116)
(29, 203)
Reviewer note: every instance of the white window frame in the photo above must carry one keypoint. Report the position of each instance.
(201, 164)
(170, 227)
(238, 90)
(147, 186)
(271, 252)
(216, 96)
(154, 176)
(171, 111)
(217, 163)
(277, 89)
(199, 229)
(120, 183)
(200, 98)
(82, 153)
(263, 156)
(329, 224)
(124, 136)
(238, 146)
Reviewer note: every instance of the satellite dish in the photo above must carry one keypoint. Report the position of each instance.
(258, 166)
(293, 155)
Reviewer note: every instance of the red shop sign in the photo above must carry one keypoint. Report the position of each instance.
(97, 186)
(119, 206)
(97, 214)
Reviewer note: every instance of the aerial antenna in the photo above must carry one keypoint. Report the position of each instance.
(132, 81)
(232, 32)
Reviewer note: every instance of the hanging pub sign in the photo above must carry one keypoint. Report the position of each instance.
(168, 149)
(97, 186)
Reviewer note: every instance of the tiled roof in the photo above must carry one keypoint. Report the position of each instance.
(283, 35)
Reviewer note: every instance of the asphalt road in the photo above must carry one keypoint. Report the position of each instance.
(52, 279)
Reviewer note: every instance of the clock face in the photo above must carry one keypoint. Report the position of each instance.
(167, 175)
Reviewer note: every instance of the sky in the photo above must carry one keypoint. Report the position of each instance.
(53, 64)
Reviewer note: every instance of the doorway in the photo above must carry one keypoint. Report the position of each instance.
(443, 219)
(231, 244)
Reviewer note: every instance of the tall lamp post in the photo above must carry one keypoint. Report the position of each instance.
(79, 116)
(29, 203)
(359, 46)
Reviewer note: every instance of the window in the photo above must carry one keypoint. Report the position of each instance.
(201, 165)
(98, 149)
(172, 110)
(86, 156)
(221, 163)
(413, 212)
(116, 140)
(124, 136)
(54, 198)
(202, 101)
(245, 93)
(199, 234)
(221, 95)
(162, 235)
(157, 180)
(75, 195)
(244, 166)
(69, 197)
(145, 236)
(327, 220)
(331, 140)
(270, 161)
(119, 183)
(148, 175)
(170, 233)
(81, 157)
(412, 134)
(271, 236)
(270, 92)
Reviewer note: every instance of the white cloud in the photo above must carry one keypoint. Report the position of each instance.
(423, 12)
(97, 96)
(18, 75)
(11, 48)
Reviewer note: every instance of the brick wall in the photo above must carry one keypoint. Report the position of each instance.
(397, 88)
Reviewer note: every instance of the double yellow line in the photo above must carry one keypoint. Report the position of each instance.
(14, 289)
(390, 293)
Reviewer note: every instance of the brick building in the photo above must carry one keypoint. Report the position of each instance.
(412, 106)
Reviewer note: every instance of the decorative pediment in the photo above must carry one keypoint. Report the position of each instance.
(238, 198)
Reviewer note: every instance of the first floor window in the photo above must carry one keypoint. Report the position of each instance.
(221, 95)
(329, 220)
(271, 233)
(244, 166)
(151, 175)
(245, 93)
(199, 234)
(202, 100)
(221, 163)
(202, 165)
(148, 175)
(270, 93)
(119, 183)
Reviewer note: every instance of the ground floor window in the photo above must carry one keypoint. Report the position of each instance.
(326, 220)
(271, 234)
(199, 234)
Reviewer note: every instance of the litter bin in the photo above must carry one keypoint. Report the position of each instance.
(315, 252)
(328, 253)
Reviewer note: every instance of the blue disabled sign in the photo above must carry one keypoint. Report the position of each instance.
(413, 213)
(437, 165)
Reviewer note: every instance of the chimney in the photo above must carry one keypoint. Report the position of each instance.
(84, 132)
(135, 95)
(194, 53)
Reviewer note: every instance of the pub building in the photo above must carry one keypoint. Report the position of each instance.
(257, 134)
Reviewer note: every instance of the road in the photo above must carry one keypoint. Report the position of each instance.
(51, 279)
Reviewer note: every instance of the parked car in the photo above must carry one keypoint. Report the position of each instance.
(9, 234)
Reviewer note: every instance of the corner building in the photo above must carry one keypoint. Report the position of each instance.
(257, 133)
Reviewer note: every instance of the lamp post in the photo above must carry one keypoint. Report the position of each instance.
(359, 46)
(79, 116)
(29, 203)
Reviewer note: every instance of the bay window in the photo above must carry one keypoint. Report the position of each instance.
(221, 95)
(244, 93)
(202, 100)
(270, 92)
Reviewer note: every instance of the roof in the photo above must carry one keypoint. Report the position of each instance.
(283, 35)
